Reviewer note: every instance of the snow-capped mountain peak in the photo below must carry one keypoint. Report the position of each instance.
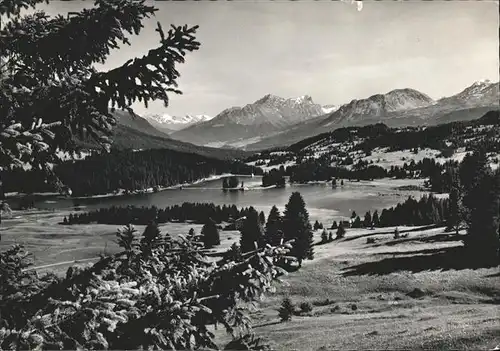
(167, 123)
(186, 119)
(330, 108)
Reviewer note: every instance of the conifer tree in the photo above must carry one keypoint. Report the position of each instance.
(334, 225)
(251, 232)
(324, 236)
(50, 91)
(126, 237)
(357, 222)
(473, 169)
(482, 238)
(298, 227)
(340, 231)
(274, 227)
(316, 225)
(210, 234)
(368, 219)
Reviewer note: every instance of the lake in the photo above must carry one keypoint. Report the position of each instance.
(323, 202)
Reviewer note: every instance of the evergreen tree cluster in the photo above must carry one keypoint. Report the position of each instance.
(293, 226)
(426, 211)
(230, 182)
(197, 212)
(274, 177)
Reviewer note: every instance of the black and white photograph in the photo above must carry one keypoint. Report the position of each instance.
(269, 175)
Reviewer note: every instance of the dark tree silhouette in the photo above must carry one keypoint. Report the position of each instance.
(340, 231)
(252, 234)
(298, 227)
(367, 222)
(274, 227)
(210, 234)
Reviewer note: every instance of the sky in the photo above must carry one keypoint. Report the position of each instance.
(332, 51)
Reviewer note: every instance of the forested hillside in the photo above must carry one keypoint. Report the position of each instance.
(127, 170)
(377, 151)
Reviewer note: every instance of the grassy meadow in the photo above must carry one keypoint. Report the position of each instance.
(406, 293)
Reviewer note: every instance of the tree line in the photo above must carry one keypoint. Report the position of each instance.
(320, 169)
(195, 212)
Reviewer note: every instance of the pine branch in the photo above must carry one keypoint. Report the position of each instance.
(151, 76)
(13, 7)
(81, 40)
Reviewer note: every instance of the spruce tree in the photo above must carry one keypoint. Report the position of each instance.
(368, 220)
(50, 91)
(324, 236)
(357, 222)
(316, 225)
(251, 232)
(210, 234)
(473, 169)
(150, 237)
(482, 240)
(298, 227)
(274, 227)
(340, 231)
(151, 234)
(334, 225)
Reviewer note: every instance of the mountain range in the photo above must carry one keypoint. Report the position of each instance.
(135, 132)
(169, 124)
(273, 121)
(263, 117)
(397, 108)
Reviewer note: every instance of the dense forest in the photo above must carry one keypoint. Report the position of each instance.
(128, 170)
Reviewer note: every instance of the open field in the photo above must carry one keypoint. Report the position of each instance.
(407, 293)
(411, 293)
